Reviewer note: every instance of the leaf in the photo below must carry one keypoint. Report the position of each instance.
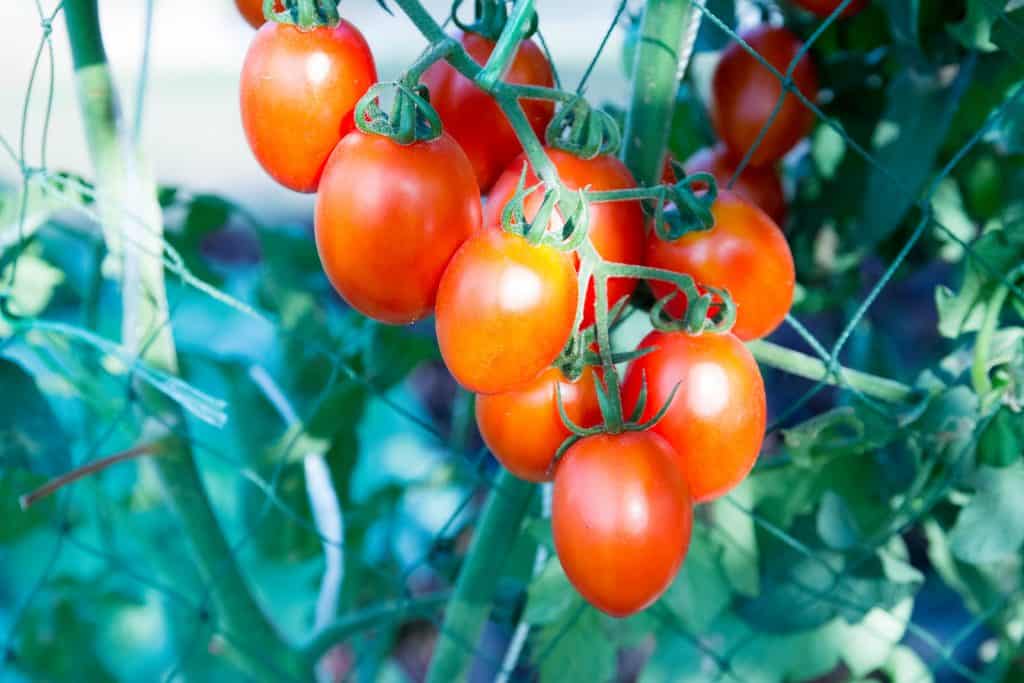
(837, 526)
(991, 527)
(903, 19)
(31, 437)
(710, 37)
(700, 591)
(1002, 440)
(975, 31)
(907, 142)
(1006, 34)
(393, 352)
(550, 596)
(676, 659)
(905, 666)
(575, 649)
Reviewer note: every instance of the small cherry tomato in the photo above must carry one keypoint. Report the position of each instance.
(745, 253)
(472, 116)
(745, 93)
(505, 310)
(523, 427)
(824, 8)
(621, 517)
(252, 11)
(759, 185)
(388, 219)
(716, 421)
(298, 91)
(616, 228)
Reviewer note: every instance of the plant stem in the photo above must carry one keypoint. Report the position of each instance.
(508, 44)
(123, 190)
(467, 611)
(979, 368)
(91, 468)
(802, 365)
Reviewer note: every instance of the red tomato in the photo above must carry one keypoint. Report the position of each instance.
(387, 222)
(744, 95)
(297, 95)
(252, 11)
(616, 228)
(475, 119)
(745, 253)
(717, 418)
(759, 185)
(621, 518)
(523, 428)
(505, 310)
(823, 8)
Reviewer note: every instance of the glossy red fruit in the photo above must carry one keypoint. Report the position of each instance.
(745, 253)
(616, 228)
(472, 116)
(716, 421)
(523, 427)
(505, 310)
(759, 185)
(252, 11)
(621, 518)
(388, 222)
(745, 93)
(824, 8)
(298, 91)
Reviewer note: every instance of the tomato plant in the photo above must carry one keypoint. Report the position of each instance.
(252, 11)
(759, 185)
(824, 8)
(620, 498)
(616, 228)
(384, 252)
(716, 419)
(298, 90)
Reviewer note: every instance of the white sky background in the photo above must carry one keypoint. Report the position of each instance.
(192, 126)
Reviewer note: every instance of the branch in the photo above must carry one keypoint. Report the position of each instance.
(80, 473)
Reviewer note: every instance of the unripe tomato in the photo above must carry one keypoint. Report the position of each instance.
(616, 228)
(823, 8)
(505, 310)
(388, 219)
(298, 91)
(745, 253)
(744, 95)
(472, 116)
(621, 518)
(759, 185)
(252, 11)
(523, 428)
(717, 418)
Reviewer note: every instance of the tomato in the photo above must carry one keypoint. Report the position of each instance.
(505, 310)
(744, 95)
(475, 119)
(387, 222)
(621, 518)
(716, 421)
(745, 253)
(823, 8)
(523, 428)
(759, 185)
(252, 11)
(298, 91)
(616, 228)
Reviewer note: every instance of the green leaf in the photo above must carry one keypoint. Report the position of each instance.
(903, 19)
(31, 437)
(738, 531)
(676, 659)
(1002, 439)
(975, 31)
(991, 527)
(701, 590)
(1006, 33)
(393, 352)
(710, 37)
(575, 649)
(550, 596)
(837, 526)
(905, 666)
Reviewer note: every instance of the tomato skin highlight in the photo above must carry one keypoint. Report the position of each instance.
(759, 185)
(621, 518)
(616, 228)
(716, 421)
(824, 8)
(523, 428)
(474, 119)
(745, 253)
(388, 221)
(744, 95)
(298, 92)
(505, 310)
(252, 11)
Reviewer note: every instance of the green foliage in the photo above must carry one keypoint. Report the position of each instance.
(30, 435)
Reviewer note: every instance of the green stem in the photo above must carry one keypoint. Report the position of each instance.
(123, 189)
(435, 53)
(539, 92)
(802, 365)
(983, 342)
(655, 81)
(508, 43)
(470, 605)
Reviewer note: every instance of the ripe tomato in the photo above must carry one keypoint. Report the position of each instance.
(298, 91)
(621, 518)
(745, 253)
(387, 222)
(523, 428)
(759, 185)
(616, 228)
(475, 119)
(717, 418)
(744, 95)
(823, 8)
(505, 310)
(252, 11)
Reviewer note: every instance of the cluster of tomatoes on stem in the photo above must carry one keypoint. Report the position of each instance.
(525, 287)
